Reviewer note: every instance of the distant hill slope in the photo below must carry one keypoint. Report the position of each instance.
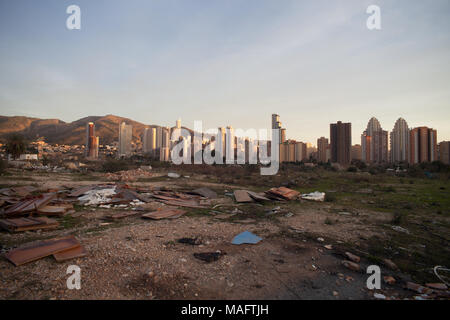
(60, 132)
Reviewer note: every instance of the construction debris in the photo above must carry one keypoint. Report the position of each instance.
(242, 196)
(351, 265)
(96, 197)
(315, 196)
(205, 192)
(282, 194)
(246, 238)
(164, 214)
(28, 224)
(30, 205)
(353, 257)
(129, 175)
(173, 175)
(41, 249)
(77, 252)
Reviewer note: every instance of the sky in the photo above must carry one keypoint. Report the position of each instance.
(229, 62)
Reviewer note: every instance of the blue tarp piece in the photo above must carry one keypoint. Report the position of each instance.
(246, 238)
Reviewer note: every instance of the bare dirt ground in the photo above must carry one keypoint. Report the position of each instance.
(140, 259)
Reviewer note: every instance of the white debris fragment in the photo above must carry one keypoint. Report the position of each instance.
(173, 175)
(315, 196)
(96, 197)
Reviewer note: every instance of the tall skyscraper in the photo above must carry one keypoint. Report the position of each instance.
(178, 124)
(422, 145)
(125, 136)
(444, 152)
(164, 150)
(322, 146)
(149, 140)
(374, 143)
(400, 142)
(341, 142)
(91, 150)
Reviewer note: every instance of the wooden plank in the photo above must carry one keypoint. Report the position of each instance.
(27, 224)
(40, 250)
(77, 252)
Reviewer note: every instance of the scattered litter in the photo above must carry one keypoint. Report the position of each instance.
(379, 296)
(328, 247)
(209, 256)
(315, 196)
(96, 197)
(191, 241)
(173, 175)
(246, 238)
(400, 229)
(320, 239)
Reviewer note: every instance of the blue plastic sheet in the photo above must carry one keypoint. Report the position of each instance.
(246, 238)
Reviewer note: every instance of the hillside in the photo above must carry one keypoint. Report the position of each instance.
(57, 131)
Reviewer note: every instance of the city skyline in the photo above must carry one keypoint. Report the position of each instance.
(230, 63)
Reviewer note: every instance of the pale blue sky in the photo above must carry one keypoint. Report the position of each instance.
(229, 62)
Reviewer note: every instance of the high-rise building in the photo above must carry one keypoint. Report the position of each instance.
(91, 150)
(164, 150)
(374, 143)
(444, 152)
(322, 146)
(400, 141)
(341, 142)
(125, 136)
(283, 135)
(149, 140)
(422, 145)
(301, 152)
(178, 124)
(276, 124)
(356, 152)
(230, 141)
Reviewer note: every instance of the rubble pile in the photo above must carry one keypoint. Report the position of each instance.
(128, 175)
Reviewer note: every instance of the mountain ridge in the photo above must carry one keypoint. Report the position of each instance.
(56, 131)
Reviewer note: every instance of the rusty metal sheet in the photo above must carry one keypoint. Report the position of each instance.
(26, 224)
(52, 210)
(82, 190)
(257, 196)
(23, 191)
(242, 196)
(77, 252)
(40, 250)
(282, 192)
(205, 192)
(165, 213)
(30, 205)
